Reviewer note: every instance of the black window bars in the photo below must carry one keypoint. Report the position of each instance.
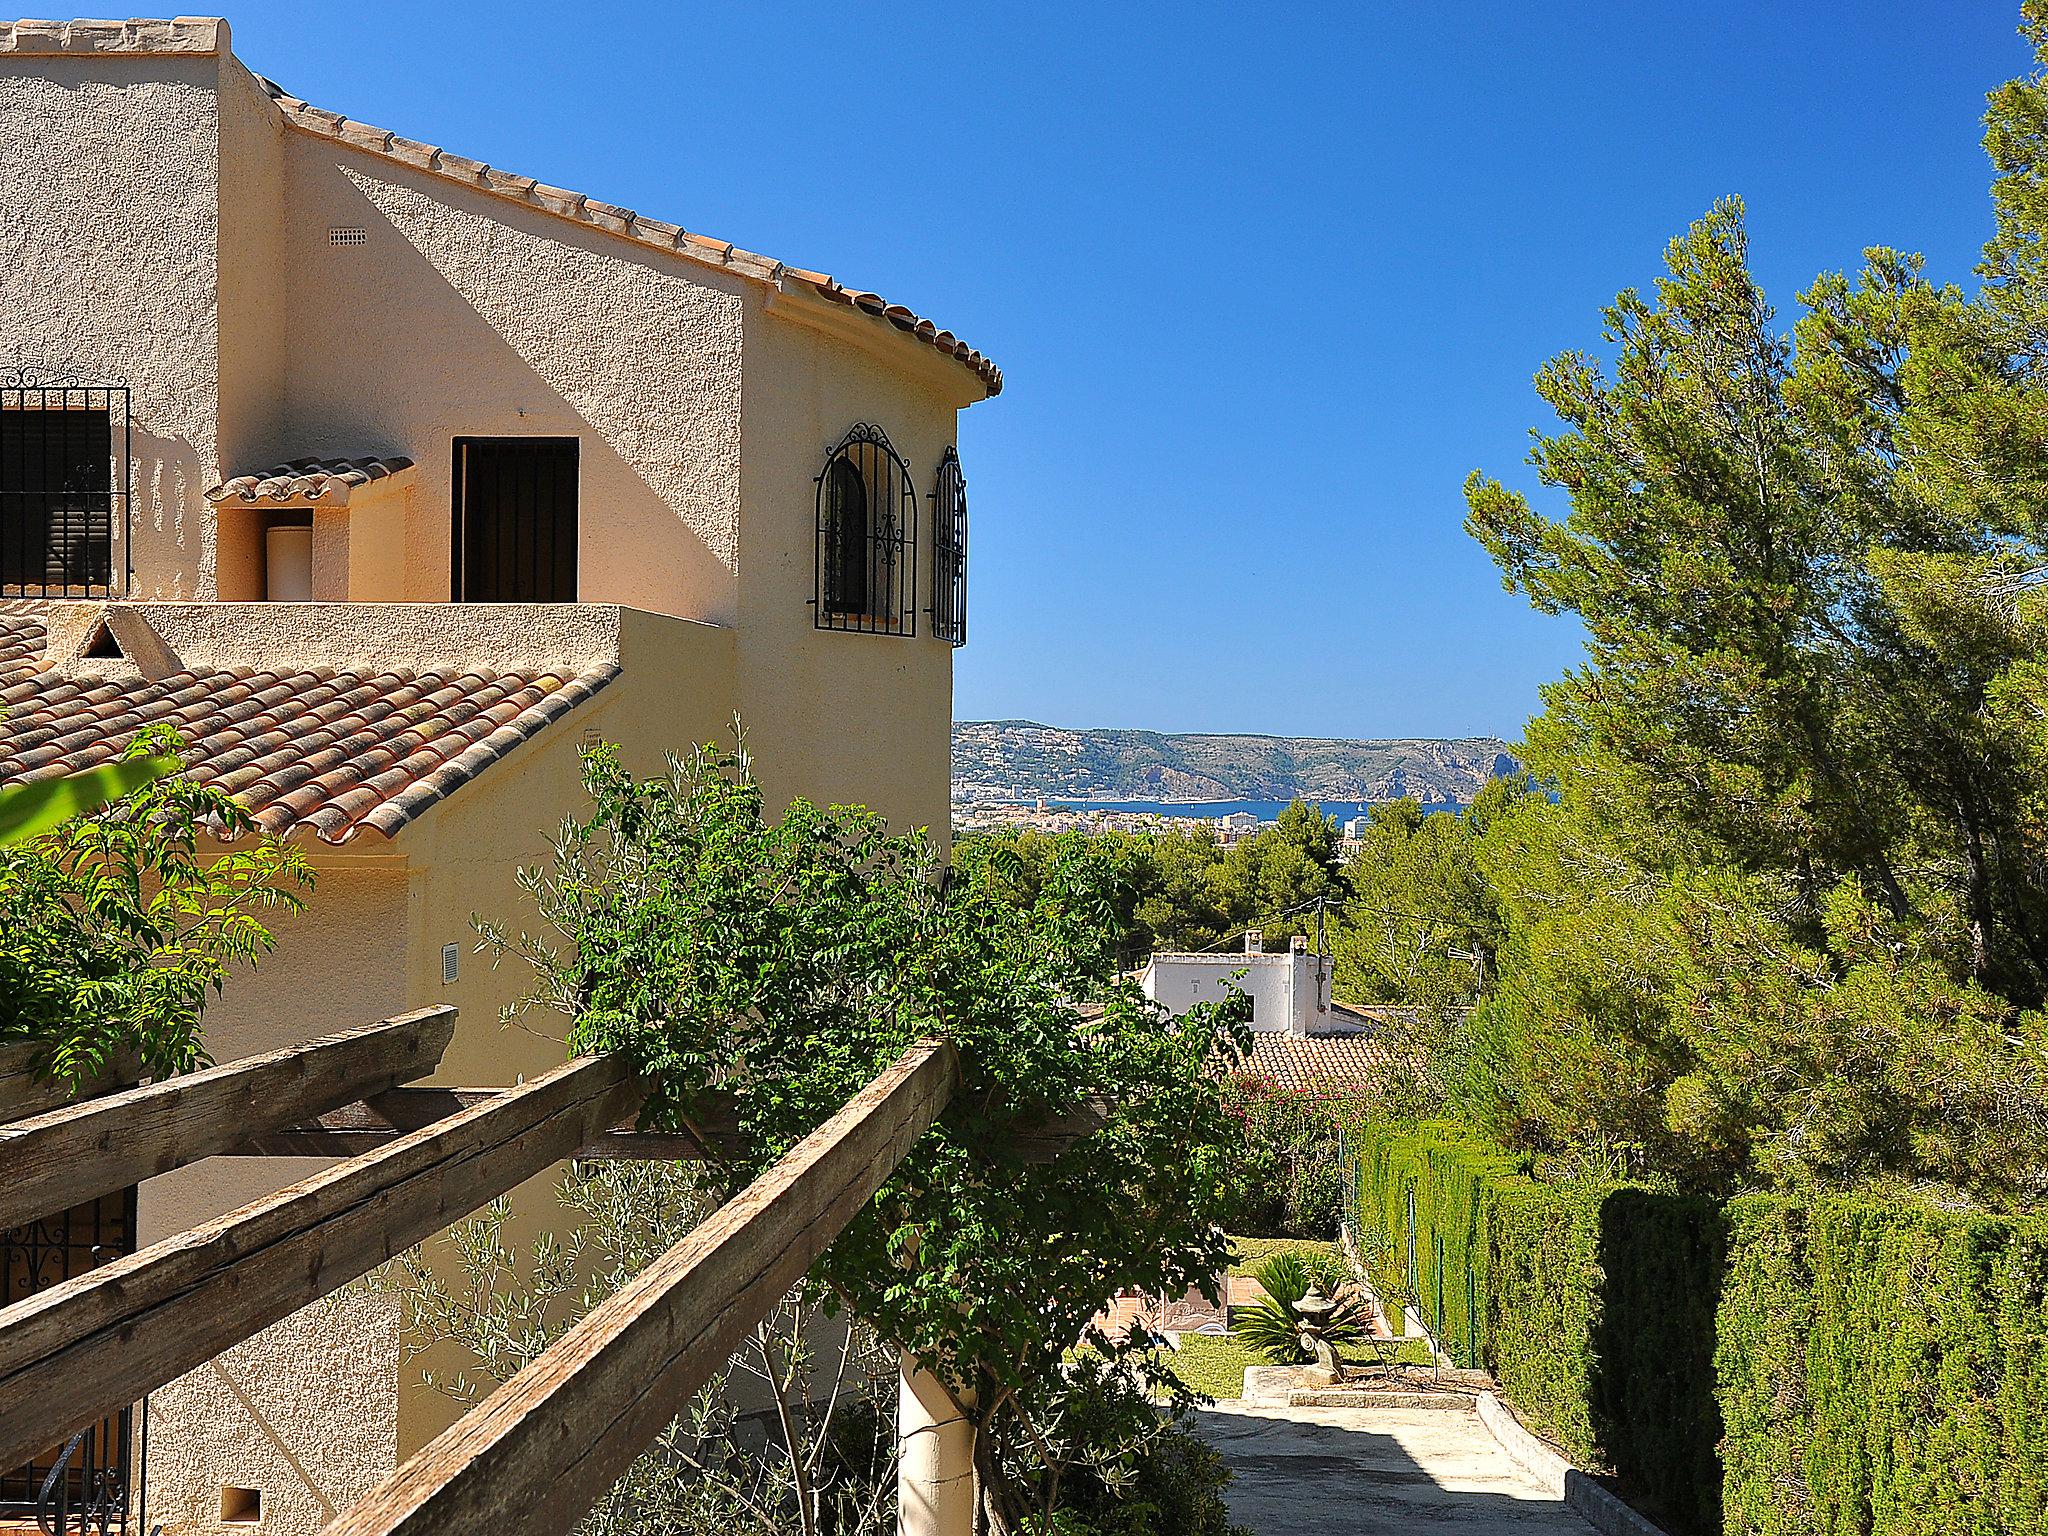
(866, 576)
(949, 551)
(65, 448)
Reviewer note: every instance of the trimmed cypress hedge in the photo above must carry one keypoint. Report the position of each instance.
(1841, 1366)
(1884, 1369)
(1592, 1305)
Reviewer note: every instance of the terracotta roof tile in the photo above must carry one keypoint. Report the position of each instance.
(627, 224)
(1317, 1061)
(309, 480)
(24, 647)
(308, 749)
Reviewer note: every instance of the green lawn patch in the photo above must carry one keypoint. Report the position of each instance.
(1214, 1363)
(1247, 1253)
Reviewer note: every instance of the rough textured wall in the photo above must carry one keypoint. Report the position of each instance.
(307, 1410)
(461, 314)
(107, 243)
(830, 715)
(305, 1413)
(252, 355)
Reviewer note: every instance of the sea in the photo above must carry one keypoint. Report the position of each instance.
(1211, 810)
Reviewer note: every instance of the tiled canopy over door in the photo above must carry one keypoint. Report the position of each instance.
(515, 520)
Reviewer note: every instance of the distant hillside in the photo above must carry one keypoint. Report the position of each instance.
(1018, 760)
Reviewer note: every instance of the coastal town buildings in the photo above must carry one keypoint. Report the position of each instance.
(391, 480)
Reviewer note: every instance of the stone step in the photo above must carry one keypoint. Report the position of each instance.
(1352, 1397)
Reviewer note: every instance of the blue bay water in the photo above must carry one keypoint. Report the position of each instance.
(1210, 810)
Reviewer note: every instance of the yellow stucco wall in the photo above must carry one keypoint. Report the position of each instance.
(464, 315)
(307, 1410)
(836, 716)
(704, 404)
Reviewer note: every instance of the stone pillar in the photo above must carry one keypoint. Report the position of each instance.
(935, 1467)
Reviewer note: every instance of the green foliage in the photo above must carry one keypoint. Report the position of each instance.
(1273, 1325)
(1592, 1303)
(1286, 1175)
(116, 928)
(1106, 1462)
(1177, 890)
(789, 962)
(1882, 1369)
(27, 810)
(1787, 923)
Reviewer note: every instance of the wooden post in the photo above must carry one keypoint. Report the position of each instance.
(935, 1489)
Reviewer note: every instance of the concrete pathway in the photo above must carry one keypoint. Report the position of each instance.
(1368, 1471)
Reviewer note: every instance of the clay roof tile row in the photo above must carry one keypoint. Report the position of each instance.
(303, 749)
(309, 479)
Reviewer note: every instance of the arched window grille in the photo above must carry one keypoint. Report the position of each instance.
(949, 552)
(867, 538)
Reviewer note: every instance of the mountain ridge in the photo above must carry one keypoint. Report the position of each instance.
(1023, 760)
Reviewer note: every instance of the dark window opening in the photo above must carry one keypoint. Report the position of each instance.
(63, 486)
(515, 520)
(867, 538)
(846, 549)
(949, 552)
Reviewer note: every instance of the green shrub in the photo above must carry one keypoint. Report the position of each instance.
(1272, 1325)
(1883, 1370)
(1288, 1179)
(1592, 1304)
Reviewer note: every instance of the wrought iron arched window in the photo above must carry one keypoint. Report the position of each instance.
(949, 551)
(867, 537)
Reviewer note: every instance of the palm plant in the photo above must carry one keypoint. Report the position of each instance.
(1275, 1326)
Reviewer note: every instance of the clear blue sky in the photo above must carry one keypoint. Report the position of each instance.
(1266, 280)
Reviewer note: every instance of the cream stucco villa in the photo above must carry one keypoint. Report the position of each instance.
(389, 478)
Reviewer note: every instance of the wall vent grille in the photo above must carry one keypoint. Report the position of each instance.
(347, 236)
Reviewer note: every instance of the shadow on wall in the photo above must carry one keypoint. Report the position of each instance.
(1654, 1411)
(1425, 1470)
(166, 503)
(438, 363)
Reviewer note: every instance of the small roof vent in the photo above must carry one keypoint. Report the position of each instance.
(103, 646)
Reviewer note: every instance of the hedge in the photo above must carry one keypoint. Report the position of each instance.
(1592, 1305)
(1884, 1369)
(1837, 1366)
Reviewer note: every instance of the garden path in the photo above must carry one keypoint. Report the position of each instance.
(1368, 1471)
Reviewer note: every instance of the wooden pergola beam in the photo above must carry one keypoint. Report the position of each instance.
(25, 1091)
(377, 1122)
(66, 1156)
(92, 1345)
(535, 1455)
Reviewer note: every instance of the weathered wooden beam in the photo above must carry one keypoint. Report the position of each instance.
(535, 1455)
(83, 1349)
(376, 1122)
(64, 1157)
(380, 1120)
(24, 1091)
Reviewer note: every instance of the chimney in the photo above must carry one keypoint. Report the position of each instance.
(1254, 942)
(1299, 944)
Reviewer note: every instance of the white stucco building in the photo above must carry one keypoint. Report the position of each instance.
(1290, 991)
